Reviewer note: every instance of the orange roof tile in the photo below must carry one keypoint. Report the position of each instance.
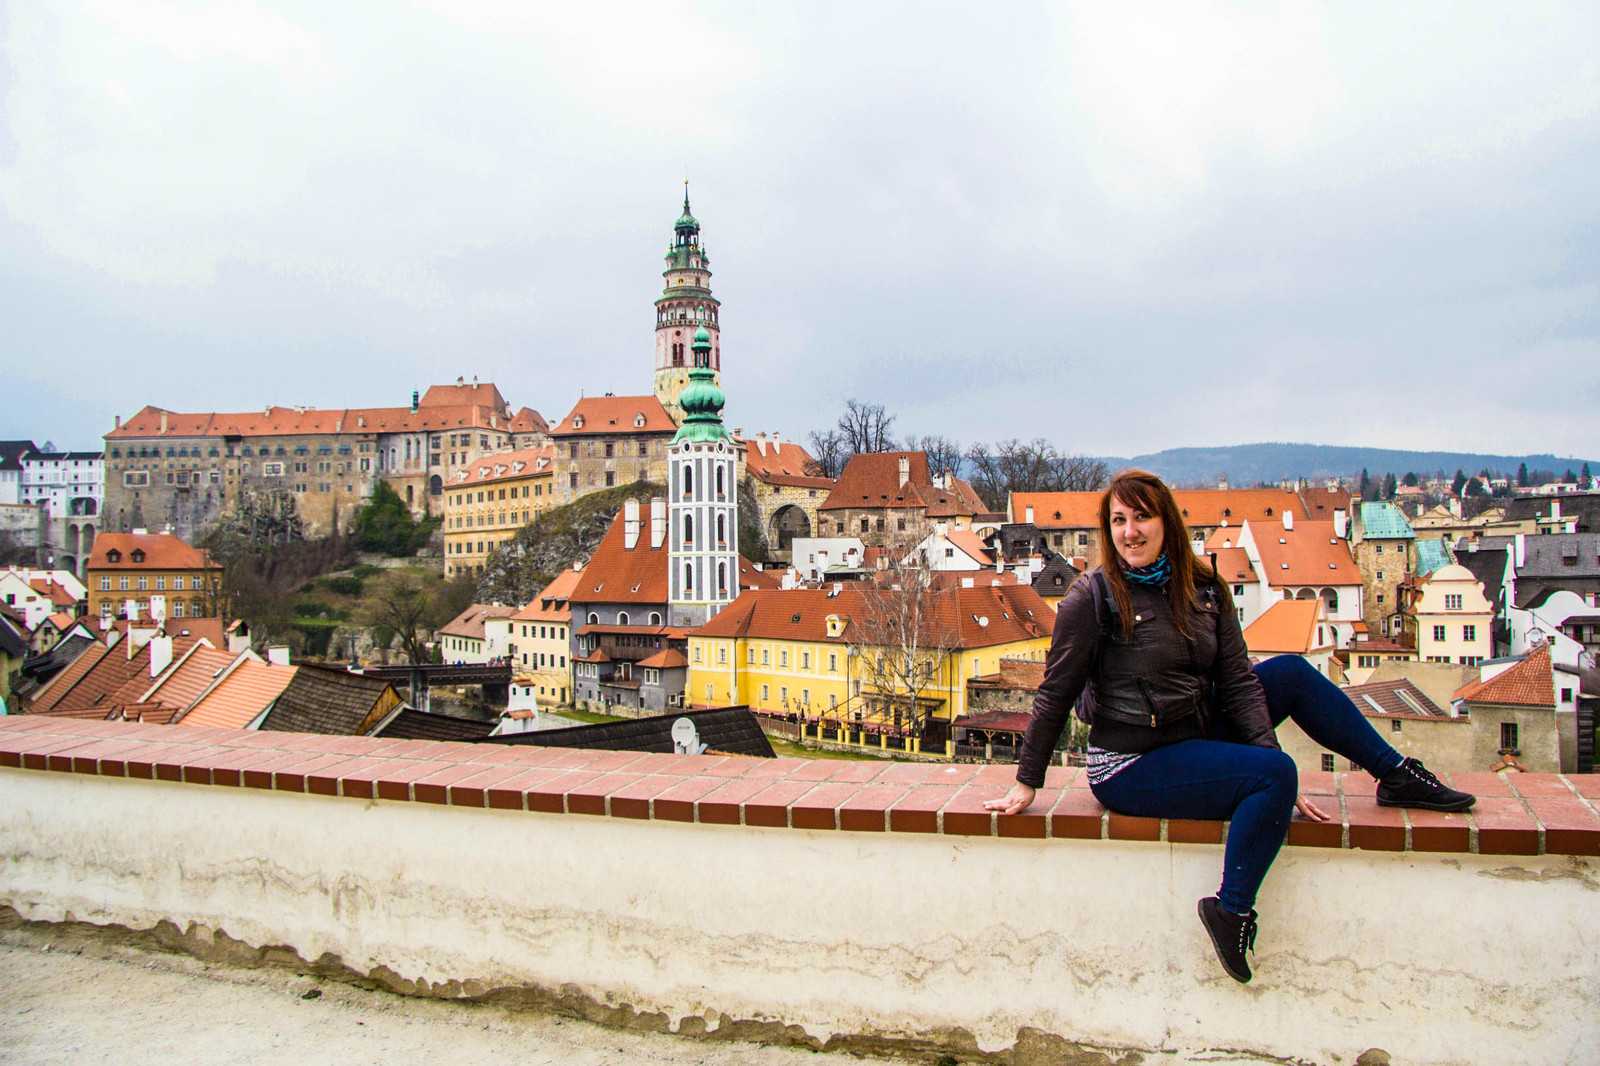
(1200, 507)
(551, 603)
(459, 394)
(434, 412)
(1529, 683)
(1308, 554)
(159, 551)
(872, 479)
(62, 620)
(499, 466)
(1233, 564)
(751, 578)
(469, 623)
(181, 684)
(1288, 627)
(59, 596)
(765, 459)
(970, 543)
(665, 659)
(240, 696)
(613, 415)
(528, 420)
(1322, 502)
(1009, 614)
(1057, 510)
(615, 574)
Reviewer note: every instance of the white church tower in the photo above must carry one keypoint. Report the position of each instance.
(702, 500)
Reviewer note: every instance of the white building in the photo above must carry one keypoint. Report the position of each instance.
(1300, 561)
(702, 500)
(1452, 618)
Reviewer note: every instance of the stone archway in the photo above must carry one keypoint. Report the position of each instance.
(788, 522)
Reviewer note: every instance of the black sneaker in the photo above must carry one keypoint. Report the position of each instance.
(1411, 785)
(1231, 934)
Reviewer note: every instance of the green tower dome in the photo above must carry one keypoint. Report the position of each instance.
(702, 403)
(702, 338)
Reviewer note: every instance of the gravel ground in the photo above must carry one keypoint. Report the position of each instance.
(87, 1002)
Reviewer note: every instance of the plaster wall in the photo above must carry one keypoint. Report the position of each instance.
(838, 933)
(1447, 745)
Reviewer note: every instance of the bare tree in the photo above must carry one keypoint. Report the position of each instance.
(902, 638)
(402, 607)
(866, 427)
(829, 450)
(943, 453)
(1035, 466)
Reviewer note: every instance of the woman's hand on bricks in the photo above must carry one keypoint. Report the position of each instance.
(1309, 809)
(1014, 802)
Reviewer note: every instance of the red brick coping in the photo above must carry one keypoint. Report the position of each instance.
(1522, 814)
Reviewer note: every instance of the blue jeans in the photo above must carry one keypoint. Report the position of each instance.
(1254, 788)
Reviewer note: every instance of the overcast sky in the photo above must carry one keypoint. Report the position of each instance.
(1122, 227)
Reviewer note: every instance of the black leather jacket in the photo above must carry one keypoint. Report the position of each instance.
(1154, 679)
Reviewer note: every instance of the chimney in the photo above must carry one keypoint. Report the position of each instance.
(1340, 520)
(1555, 510)
(158, 609)
(1522, 550)
(1288, 519)
(160, 655)
(163, 421)
(658, 522)
(415, 399)
(905, 466)
(119, 421)
(630, 523)
(1455, 506)
(278, 655)
(1027, 514)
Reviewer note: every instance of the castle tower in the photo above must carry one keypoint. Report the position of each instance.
(686, 305)
(702, 498)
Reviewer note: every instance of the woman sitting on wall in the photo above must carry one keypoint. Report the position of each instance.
(1148, 647)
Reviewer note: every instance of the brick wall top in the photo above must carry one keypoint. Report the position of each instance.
(1524, 814)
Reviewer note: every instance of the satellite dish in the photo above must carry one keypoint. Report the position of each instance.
(685, 738)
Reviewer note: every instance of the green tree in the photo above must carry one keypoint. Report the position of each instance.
(1410, 480)
(1364, 490)
(385, 525)
(1388, 486)
(1522, 475)
(1458, 483)
(1585, 479)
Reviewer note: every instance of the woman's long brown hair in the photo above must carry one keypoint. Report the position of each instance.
(1142, 490)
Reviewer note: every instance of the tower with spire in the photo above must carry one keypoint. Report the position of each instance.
(686, 307)
(702, 497)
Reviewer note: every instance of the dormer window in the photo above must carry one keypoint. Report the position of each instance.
(138, 555)
(113, 556)
(577, 421)
(638, 421)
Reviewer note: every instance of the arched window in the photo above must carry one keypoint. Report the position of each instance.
(722, 579)
(688, 529)
(722, 488)
(722, 529)
(594, 619)
(655, 618)
(622, 618)
(688, 478)
(688, 577)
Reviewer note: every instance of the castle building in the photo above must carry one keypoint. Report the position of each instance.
(702, 498)
(685, 307)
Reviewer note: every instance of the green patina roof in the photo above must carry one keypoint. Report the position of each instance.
(702, 402)
(702, 334)
(1432, 555)
(1384, 521)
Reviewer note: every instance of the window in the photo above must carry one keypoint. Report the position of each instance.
(161, 582)
(144, 583)
(766, 693)
(783, 658)
(105, 584)
(1238, 590)
(866, 524)
(1328, 765)
(1438, 633)
(122, 584)
(1469, 632)
(1508, 738)
(722, 656)
(805, 660)
(1380, 575)
(764, 657)
(1452, 602)
(1366, 660)
(1394, 725)
(833, 662)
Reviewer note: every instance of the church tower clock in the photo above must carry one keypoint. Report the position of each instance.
(685, 307)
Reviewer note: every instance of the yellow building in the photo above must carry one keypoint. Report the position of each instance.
(1448, 618)
(485, 504)
(822, 658)
(158, 574)
(541, 639)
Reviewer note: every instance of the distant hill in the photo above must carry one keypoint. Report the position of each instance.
(1246, 464)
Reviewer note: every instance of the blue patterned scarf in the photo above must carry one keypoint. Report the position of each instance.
(1157, 575)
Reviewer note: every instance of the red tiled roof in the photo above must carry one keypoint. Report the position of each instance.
(1529, 683)
(751, 578)
(62, 620)
(59, 596)
(1057, 510)
(1399, 698)
(613, 415)
(616, 574)
(556, 594)
(1023, 674)
(243, 694)
(1010, 614)
(181, 684)
(765, 459)
(499, 466)
(162, 551)
(1308, 554)
(103, 679)
(1322, 502)
(967, 541)
(209, 629)
(872, 479)
(1288, 627)
(469, 623)
(665, 659)
(1200, 507)
(1380, 645)
(1234, 565)
(996, 721)
(433, 413)
(528, 420)
(484, 395)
